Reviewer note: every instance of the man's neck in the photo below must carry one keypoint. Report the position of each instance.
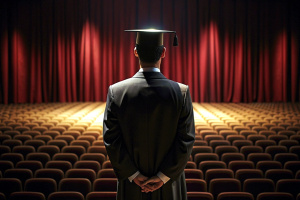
(150, 65)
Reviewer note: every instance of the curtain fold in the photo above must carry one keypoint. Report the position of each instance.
(72, 50)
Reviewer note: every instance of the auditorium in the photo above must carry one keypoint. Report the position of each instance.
(66, 135)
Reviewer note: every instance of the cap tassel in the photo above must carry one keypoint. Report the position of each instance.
(175, 42)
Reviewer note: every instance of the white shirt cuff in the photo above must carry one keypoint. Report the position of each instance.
(163, 177)
(133, 176)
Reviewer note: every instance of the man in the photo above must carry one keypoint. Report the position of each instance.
(149, 127)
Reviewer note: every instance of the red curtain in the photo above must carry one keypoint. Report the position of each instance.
(72, 50)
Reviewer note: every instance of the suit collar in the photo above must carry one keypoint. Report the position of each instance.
(149, 75)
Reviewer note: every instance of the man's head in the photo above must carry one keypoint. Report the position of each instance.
(149, 45)
(149, 54)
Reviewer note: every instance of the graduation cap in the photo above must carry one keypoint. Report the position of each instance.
(152, 37)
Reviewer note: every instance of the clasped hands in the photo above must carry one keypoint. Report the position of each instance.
(148, 184)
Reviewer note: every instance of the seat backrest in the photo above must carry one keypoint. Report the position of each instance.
(81, 185)
(21, 174)
(288, 185)
(43, 185)
(71, 157)
(274, 196)
(241, 143)
(56, 174)
(81, 173)
(13, 157)
(190, 173)
(196, 185)
(205, 165)
(256, 157)
(200, 157)
(294, 166)
(65, 195)
(39, 156)
(105, 184)
(10, 185)
(219, 185)
(59, 164)
(258, 185)
(201, 149)
(235, 196)
(227, 157)
(246, 150)
(220, 150)
(218, 173)
(27, 196)
(88, 164)
(109, 173)
(274, 149)
(101, 195)
(265, 143)
(78, 150)
(49, 149)
(36, 143)
(277, 174)
(243, 164)
(243, 174)
(285, 157)
(93, 156)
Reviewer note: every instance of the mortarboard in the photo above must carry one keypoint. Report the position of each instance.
(152, 37)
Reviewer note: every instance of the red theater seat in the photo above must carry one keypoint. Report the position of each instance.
(27, 196)
(101, 196)
(81, 185)
(274, 196)
(21, 174)
(55, 174)
(266, 165)
(24, 150)
(200, 157)
(206, 165)
(88, 164)
(199, 195)
(258, 185)
(285, 157)
(218, 173)
(243, 164)
(109, 173)
(59, 164)
(196, 185)
(105, 185)
(66, 196)
(218, 186)
(78, 150)
(244, 174)
(192, 174)
(13, 157)
(235, 196)
(277, 174)
(81, 173)
(288, 185)
(10, 185)
(43, 185)
(71, 157)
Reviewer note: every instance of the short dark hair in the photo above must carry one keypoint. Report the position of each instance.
(149, 54)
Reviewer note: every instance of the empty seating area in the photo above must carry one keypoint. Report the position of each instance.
(54, 151)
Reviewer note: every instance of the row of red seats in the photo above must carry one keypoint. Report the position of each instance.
(217, 186)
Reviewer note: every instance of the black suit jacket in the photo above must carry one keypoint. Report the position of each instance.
(149, 127)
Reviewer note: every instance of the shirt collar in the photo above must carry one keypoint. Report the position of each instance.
(149, 69)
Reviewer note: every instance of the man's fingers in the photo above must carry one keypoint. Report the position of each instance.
(147, 182)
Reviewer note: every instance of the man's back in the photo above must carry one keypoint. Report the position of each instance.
(149, 123)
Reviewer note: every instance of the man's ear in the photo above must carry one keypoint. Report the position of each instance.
(135, 52)
(163, 54)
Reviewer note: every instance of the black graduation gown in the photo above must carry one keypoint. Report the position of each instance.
(149, 127)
